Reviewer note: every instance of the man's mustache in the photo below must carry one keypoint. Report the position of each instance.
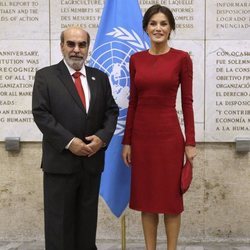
(76, 57)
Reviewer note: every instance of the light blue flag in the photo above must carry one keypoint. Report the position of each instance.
(120, 35)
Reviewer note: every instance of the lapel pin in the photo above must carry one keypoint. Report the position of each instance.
(93, 78)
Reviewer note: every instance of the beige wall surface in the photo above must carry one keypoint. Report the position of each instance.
(217, 206)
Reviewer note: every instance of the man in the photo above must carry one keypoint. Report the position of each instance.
(77, 115)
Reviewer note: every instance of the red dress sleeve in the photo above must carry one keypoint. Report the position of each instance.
(186, 79)
(132, 104)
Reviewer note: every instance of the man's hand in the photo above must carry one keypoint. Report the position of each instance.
(78, 147)
(95, 144)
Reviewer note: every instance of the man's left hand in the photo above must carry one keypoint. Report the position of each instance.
(95, 143)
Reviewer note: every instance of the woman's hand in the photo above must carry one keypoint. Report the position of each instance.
(190, 152)
(126, 154)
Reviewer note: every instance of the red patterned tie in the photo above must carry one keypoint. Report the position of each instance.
(79, 88)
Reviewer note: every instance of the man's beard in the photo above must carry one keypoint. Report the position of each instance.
(75, 62)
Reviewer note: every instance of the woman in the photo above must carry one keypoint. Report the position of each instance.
(154, 145)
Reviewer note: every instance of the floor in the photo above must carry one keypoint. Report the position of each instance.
(39, 245)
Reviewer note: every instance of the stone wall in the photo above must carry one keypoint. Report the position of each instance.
(217, 206)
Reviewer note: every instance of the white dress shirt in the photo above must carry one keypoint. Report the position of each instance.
(85, 88)
(84, 81)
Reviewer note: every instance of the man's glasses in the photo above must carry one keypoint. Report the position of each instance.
(81, 45)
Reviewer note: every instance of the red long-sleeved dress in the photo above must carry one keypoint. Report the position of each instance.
(153, 129)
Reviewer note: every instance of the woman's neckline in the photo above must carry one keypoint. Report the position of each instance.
(169, 50)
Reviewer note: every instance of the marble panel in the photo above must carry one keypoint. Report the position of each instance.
(189, 16)
(56, 54)
(18, 64)
(24, 19)
(228, 19)
(83, 13)
(196, 50)
(227, 90)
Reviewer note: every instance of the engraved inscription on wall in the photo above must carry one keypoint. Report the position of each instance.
(83, 13)
(24, 19)
(19, 62)
(19, 11)
(29, 37)
(17, 75)
(228, 107)
(228, 19)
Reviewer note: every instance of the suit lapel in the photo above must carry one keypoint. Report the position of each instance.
(92, 82)
(66, 79)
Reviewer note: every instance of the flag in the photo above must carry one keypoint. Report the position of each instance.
(119, 35)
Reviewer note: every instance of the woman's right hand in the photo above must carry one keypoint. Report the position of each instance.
(126, 154)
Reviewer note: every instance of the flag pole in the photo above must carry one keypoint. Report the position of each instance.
(123, 232)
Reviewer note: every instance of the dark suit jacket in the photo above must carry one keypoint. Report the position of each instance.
(60, 115)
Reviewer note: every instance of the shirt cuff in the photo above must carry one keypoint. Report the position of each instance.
(68, 145)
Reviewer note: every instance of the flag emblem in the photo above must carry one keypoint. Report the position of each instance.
(112, 57)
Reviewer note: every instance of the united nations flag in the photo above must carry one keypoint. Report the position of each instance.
(120, 35)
